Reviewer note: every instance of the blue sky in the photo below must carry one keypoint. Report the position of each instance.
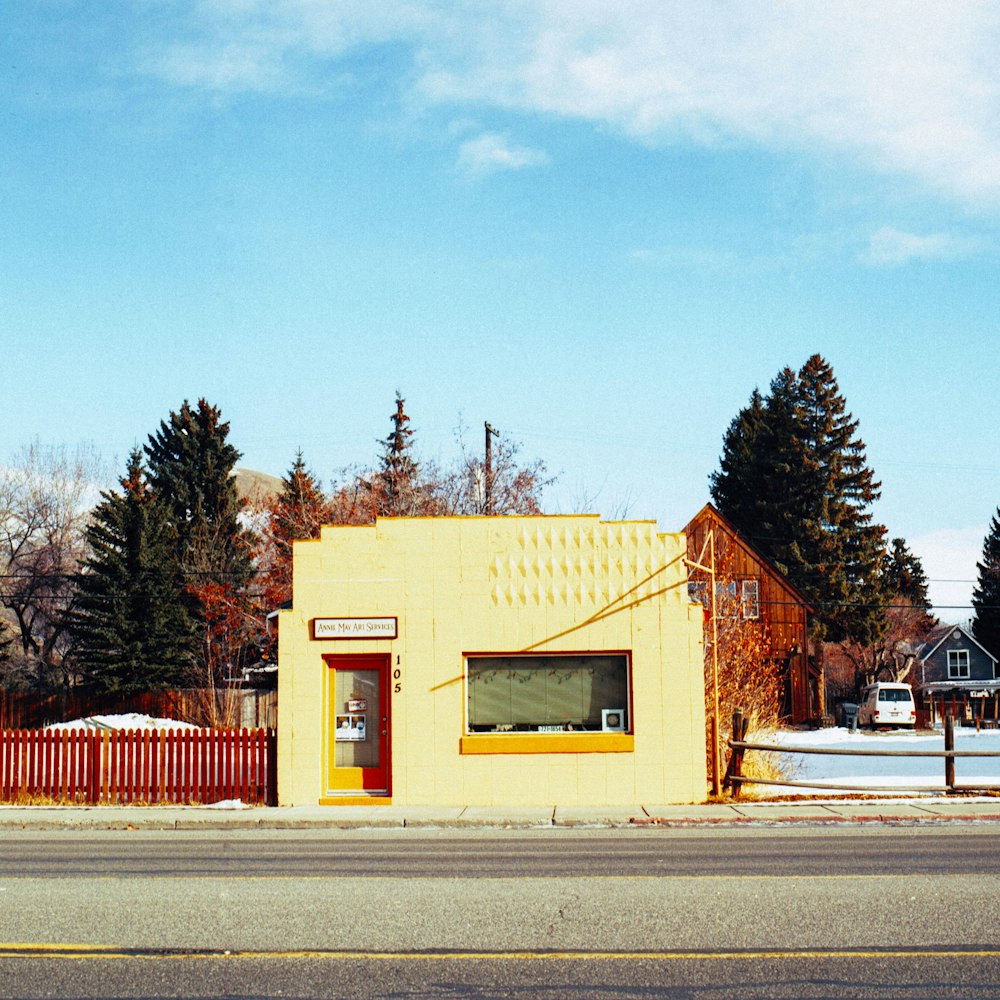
(597, 229)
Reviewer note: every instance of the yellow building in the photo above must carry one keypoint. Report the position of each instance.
(491, 661)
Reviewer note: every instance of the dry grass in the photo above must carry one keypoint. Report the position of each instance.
(214, 708)
(763, 765)
(35, 799)
(749, 680)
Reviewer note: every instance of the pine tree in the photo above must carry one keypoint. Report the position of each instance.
(795, 481)
(301, 508)
(132, 625)
(191, 469)
(736, 486)
(986, 595)
(903, 575)
(298, 513)
(398, 474)
(397, 488)
(760, 456)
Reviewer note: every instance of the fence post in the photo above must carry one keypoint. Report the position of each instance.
(272, 767)
(949, 747)
(105, 793)
(716, 777)
(739, 732)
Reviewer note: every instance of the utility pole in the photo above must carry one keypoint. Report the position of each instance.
(488, 482)
(709, 547)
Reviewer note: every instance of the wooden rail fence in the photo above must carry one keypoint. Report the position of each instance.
(736, 779)
(112, 767)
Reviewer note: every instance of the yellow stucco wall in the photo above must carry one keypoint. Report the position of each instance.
(502, 585)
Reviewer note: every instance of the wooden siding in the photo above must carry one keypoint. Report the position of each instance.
(934, 667)
(782, 608)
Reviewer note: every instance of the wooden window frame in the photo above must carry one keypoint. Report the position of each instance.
(955, 669)
(590, 741)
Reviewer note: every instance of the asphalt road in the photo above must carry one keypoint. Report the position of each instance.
(493, 853)
(865, 912)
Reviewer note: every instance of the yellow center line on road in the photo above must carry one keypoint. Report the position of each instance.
(80, 952)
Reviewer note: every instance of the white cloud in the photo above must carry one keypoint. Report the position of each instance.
(892, 246)
(235, 45)
(228, 67)
(491, 152)
(949, 558)
(905, 87)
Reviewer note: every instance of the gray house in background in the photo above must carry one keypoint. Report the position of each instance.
(954, 674)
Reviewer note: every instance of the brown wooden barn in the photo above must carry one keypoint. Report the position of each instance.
(761, 591)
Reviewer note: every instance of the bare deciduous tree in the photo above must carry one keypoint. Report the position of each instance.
(401, 487)
(891, 657)
(749, 678)
(610, 505)
(44, 496)
(514, 487)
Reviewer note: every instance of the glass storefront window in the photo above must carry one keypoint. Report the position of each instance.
(357, 719)
(548, 693)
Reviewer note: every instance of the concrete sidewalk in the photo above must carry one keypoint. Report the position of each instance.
(729, 814)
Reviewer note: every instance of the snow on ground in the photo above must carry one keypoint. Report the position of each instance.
(130, 720)
(871, 772)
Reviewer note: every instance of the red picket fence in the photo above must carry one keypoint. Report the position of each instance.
(111, 767)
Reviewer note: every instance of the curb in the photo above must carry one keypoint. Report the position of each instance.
(150, 819)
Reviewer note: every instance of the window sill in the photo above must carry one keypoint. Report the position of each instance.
(548, 743)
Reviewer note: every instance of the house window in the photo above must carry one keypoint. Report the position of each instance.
(725, 599)
(750, 599)
(958, 664)
(548, 694)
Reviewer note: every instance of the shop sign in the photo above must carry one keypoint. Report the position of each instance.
(351, 729)
(355, 628)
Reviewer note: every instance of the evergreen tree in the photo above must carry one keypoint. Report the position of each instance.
(986, 595)
(397, 488)
(399, 469)
(794, 480)
(735, 487)
(301, 508)
(298, 513)
(191, 469)
(903, 575)
(132, 626)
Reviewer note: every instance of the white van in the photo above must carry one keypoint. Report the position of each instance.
(885, 704)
